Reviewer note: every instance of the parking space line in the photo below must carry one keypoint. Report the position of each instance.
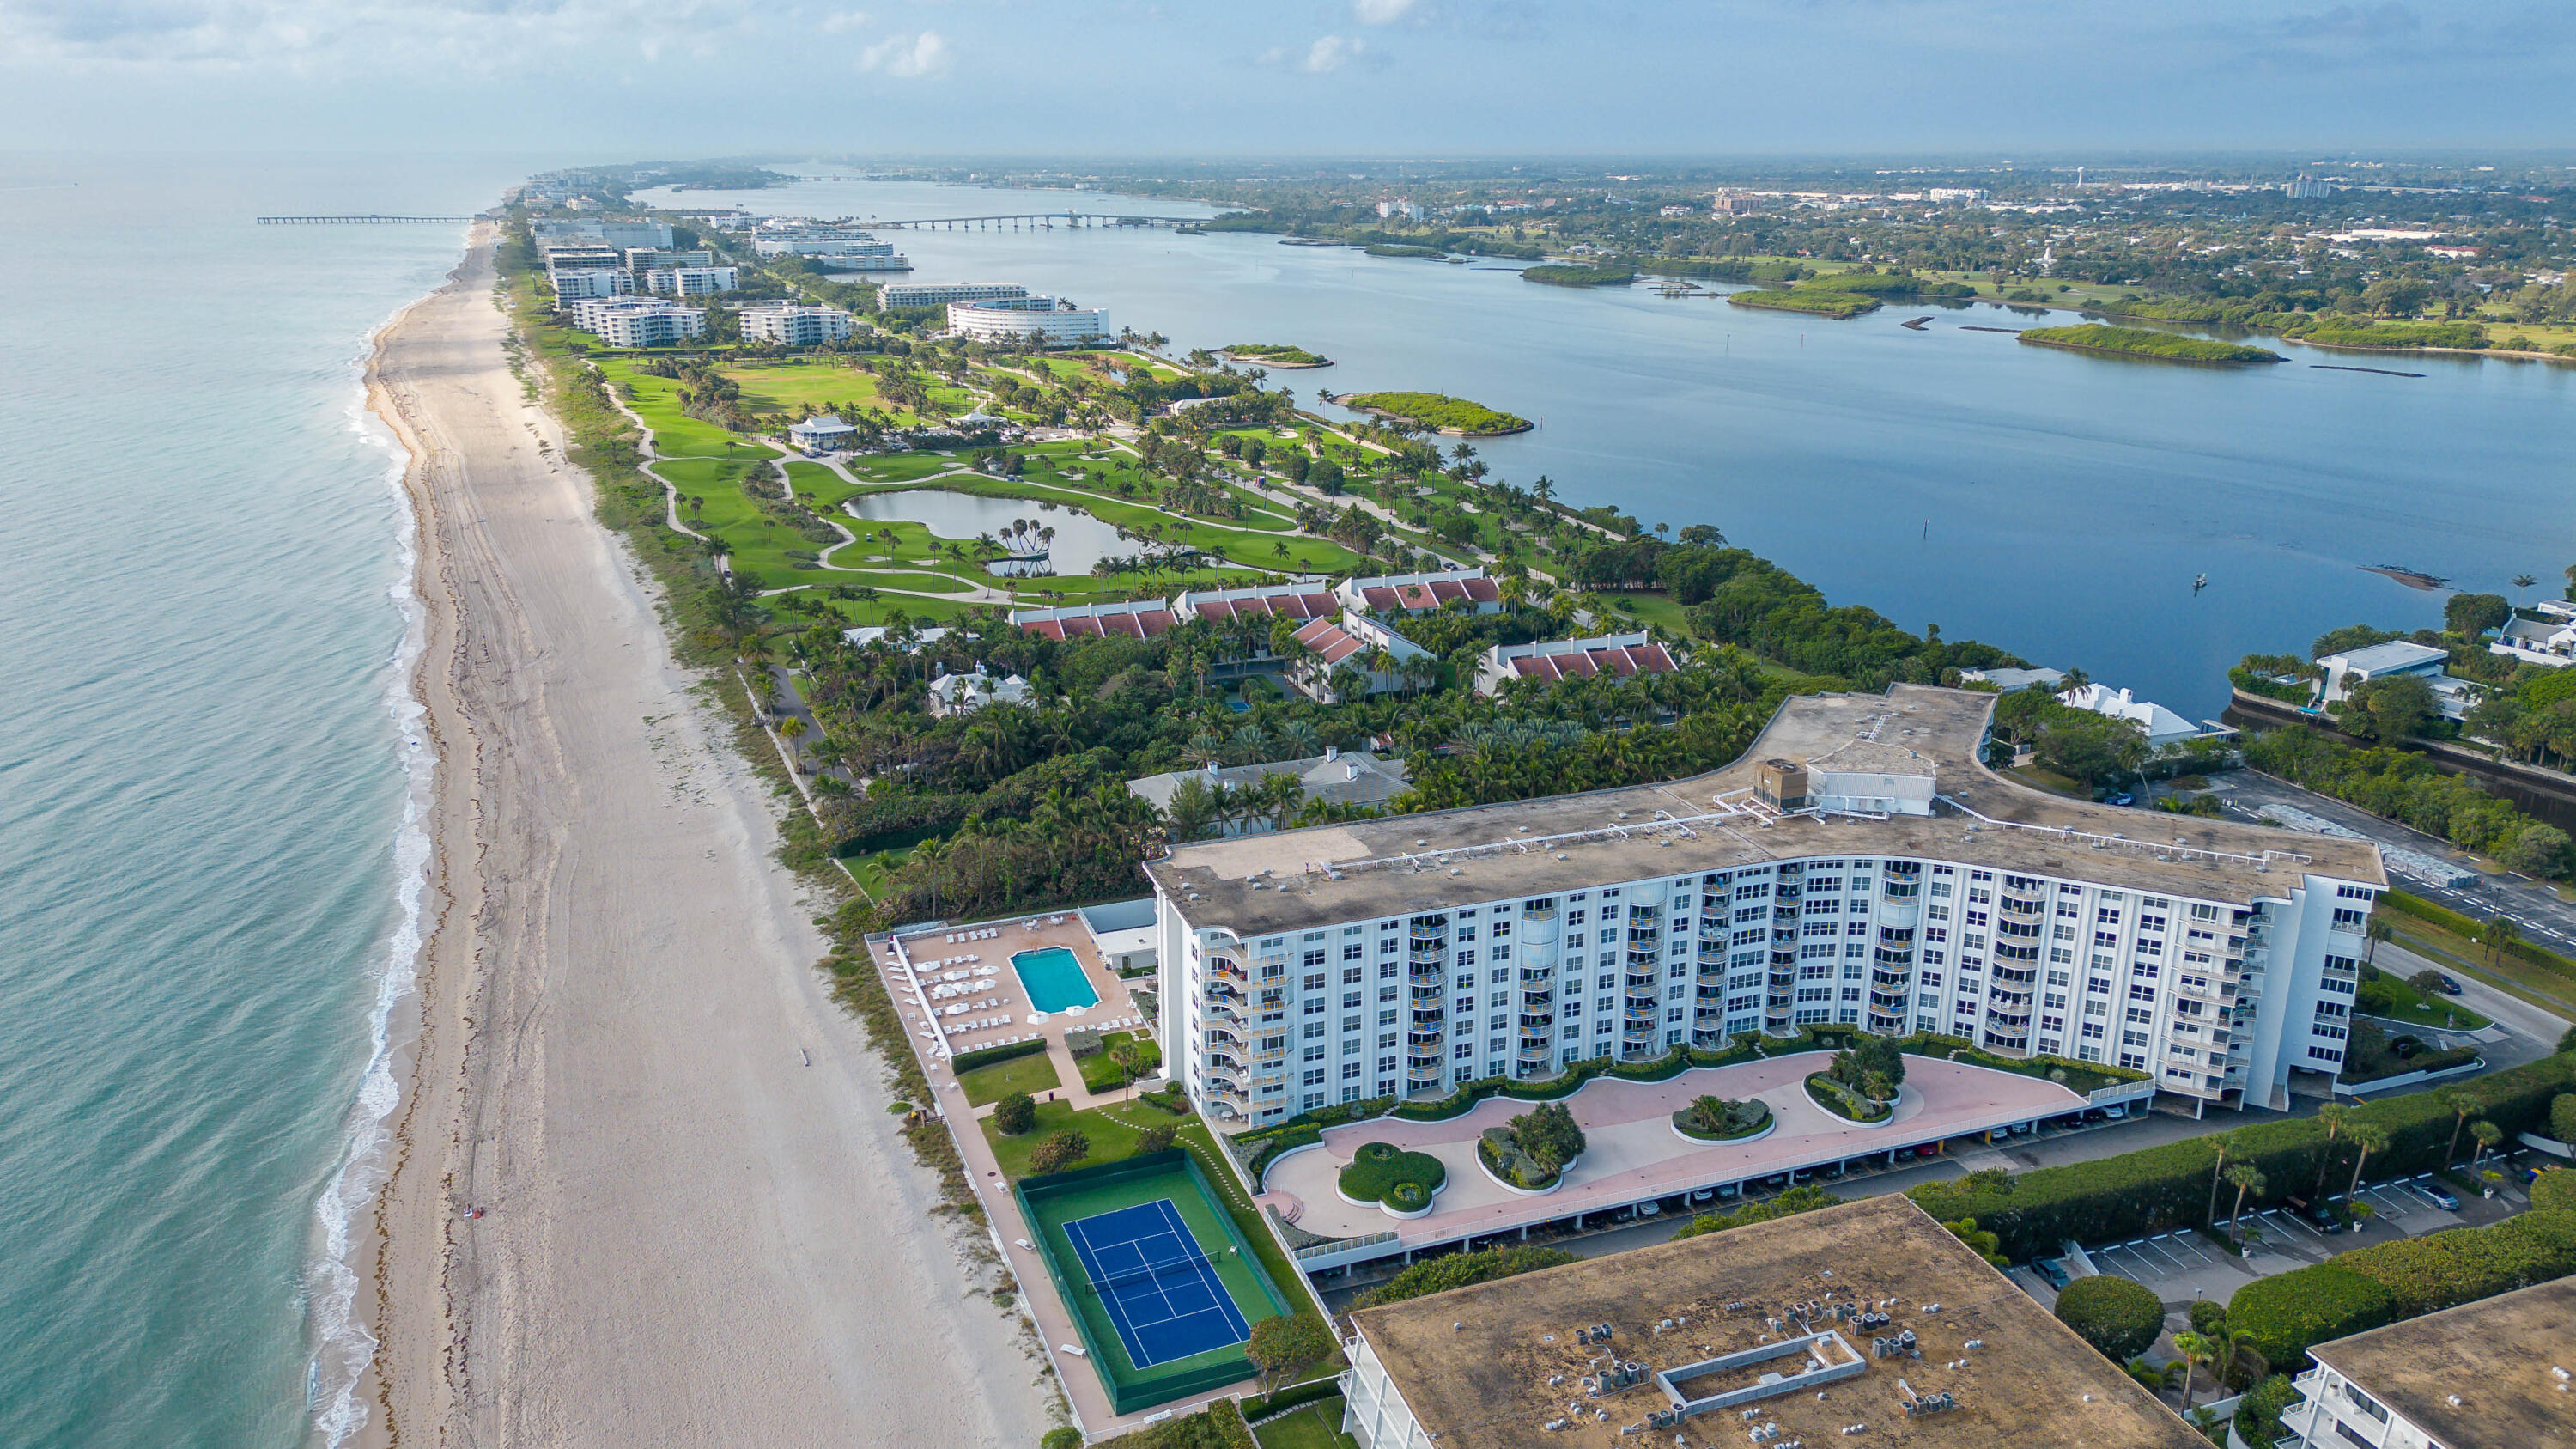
(2198, 1253)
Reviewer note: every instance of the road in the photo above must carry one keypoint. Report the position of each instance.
(2528, 903)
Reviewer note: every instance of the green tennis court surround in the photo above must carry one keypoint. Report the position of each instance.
(1110, 1205)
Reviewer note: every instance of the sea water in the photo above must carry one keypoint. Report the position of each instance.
(2057, 505)
(211, 778)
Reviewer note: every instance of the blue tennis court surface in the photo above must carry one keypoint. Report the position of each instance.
(1161, 1293)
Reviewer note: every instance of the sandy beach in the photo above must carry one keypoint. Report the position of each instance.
(690, 1234)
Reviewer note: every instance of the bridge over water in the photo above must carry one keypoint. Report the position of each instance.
(370, 219)
(1026, 220)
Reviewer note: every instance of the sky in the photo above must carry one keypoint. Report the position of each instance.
(606, 80)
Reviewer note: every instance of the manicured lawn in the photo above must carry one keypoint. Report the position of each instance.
(675, 434)
(902, 467)
(2039, 777)
(2394, 999)
(784, 387)
(1100, 1074)
(1112, 1133)
(1032, 1074)
(1315, 1426)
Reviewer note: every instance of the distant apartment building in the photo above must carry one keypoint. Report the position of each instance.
(1549, 660)
(1339, 777)
(571, 287)
(1039, 319)
(1354, 656)
(1395, 208)
(557, 259)
(605, 232)
(935, 294)
(1956, 195)
(2304, 187)
(793, 325)
(1859, 865)
(663, 259)
(817, 243)
(693, 281)
(638, 322)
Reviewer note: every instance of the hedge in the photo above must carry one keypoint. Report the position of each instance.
(1379, 1168)
(969, 1061)
(1458, 1270)
(1257, 1406)
(2368, 1287)
(2157, 1188)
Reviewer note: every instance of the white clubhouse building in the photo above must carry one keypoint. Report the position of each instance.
(1859, 865)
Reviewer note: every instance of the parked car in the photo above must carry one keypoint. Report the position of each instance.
(2439, 1196)
(1803, 1175)
(2124, 798)
(2115, 1111)
(2050, 1270)
(2450, 984)
(1649, 1209)
(2326, 1219)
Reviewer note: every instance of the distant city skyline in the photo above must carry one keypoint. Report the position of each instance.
(603, 79)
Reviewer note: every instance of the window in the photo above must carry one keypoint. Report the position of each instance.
(1350, 1070)
(1314, 957)
(1352, 951)
(1386, 946)
(2347, 919)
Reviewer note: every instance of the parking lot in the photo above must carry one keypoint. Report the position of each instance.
(2181, 1266)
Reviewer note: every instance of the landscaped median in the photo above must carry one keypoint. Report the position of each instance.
(1718, 1119)
(1846, 1103)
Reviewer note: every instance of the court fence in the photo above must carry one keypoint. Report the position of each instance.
(1128, 1393)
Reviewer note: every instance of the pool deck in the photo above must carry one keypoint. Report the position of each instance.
(1632, 1152)
(906, 963)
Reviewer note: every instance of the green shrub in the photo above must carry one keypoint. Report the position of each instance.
(2258, 1414)
(2290, 1311)
(2156, 1188)
(1458, 1270)
(1065, 1149)
(1787, 1204)
(1845, 1102)
(1062, 1436)
(1015, 1114)
(2114, 1315)
(2554, 1190)
(1261, 1407)
(1719, 1119)
(1379, 1168)
(965, 1062)
(2208, 1316)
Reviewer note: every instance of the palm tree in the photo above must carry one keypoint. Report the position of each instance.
(2498, 936)
(2374, 933)
(2245, 1177)
(2488, 1135)
(2336, 1116)
(2225, 1145)
(2464, 1105)
(2196, 1350)
(2369, 1138)
(2522, 581)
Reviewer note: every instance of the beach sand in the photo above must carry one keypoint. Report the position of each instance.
(690, 1237)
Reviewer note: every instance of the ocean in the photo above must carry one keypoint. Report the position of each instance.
(209, 770)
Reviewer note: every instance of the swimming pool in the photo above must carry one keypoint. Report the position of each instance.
(1053, 979)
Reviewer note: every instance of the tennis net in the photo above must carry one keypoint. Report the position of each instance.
(1187, 1263)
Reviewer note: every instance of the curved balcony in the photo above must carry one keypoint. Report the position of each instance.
(1538, 1001)
(1421, 931)
(1881, 1001)
(2005, 951)
(1882, 1024)
(1227, 968)
(1538, 930)
(2008, 1041)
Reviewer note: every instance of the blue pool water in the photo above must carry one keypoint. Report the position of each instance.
(1054, 979)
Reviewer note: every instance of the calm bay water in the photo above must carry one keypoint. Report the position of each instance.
(203, 784)
(2054, 504)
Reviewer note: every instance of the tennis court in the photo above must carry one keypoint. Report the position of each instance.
(1162, 1288)
(1160, 1291)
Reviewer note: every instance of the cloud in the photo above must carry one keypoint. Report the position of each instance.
(1332, 53)
(1381, 12)
(925, 54)
(841, 21)
(307, 36)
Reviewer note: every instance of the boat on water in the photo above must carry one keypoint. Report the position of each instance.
(2411, 578)
(1916, 324)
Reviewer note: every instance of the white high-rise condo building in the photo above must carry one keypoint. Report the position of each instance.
(639, 322)
(795, 326)
(577, 286)
(1859, 865)
(938, 294)
(1043, 319)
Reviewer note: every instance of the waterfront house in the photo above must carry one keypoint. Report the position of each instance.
(956, 694)
(2549, 640)
(2160, 725)
(2352, 668)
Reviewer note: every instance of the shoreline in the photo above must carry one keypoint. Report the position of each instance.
(697, 1211)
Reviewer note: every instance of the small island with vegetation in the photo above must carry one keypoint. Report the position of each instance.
(1532, 1151)
(1400, 249)
(1563, 274)
(1830, 302)
(1400, 1181)
(1438, 412)
(1722, 1119)
(2145, 342)
(1272, 354)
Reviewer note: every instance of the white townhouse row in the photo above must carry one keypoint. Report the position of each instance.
(1859, 866)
